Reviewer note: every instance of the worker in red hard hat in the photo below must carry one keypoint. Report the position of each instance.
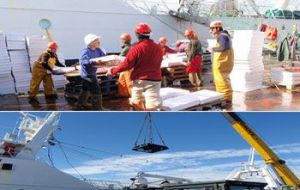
(223, 56)
(194, 54)
(124, 82)
(41, 71)
(163, 41)
(144, 59)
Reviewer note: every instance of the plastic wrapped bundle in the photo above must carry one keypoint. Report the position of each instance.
(174, 60)
(110, 60)
(62, 70)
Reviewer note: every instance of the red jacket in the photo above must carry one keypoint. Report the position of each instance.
(145, 59)
(167, 49)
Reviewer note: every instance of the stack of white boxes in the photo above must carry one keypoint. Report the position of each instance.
(36, 45)
(286, 78)
(247, 74)
(6, 79)
(16, 46)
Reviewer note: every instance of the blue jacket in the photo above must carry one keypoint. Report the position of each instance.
(87, 66)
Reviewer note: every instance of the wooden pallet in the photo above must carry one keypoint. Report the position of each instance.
(289, 86)
(109, 86)
(178, 72)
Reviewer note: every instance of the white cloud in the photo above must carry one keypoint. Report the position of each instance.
(215, 164)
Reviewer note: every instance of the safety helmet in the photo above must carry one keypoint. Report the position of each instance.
(163, 40)
(126, 37)
(189, 33)
(215, 24)
(52, 45)
(88, 39)
(143, 28)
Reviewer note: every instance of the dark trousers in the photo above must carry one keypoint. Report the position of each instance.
(90, 83)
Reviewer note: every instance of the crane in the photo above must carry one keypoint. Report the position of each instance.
(289, 179)
(141, 181)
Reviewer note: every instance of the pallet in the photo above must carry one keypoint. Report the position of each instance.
(109, 86)
(289, 86)
(178, 72)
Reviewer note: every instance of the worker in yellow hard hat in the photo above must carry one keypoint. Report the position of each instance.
(41, 71)
(125, 83)
(222, 60)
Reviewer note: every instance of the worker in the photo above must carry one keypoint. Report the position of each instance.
(88, 74)
(125, 83)
(165, 48)
(41, 71)
(145, 59)
(194, 54)
(223, 56)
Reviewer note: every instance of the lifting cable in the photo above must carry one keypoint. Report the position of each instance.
(158, 133)
(141, 131)
(148, 144)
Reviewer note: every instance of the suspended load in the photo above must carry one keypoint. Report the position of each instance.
(147, 145)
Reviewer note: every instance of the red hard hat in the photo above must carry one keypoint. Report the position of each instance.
(126, 37)
(163, 40)
(189, 33)
(143, 28)
(52, 45)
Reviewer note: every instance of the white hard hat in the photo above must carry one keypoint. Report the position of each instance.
(216, 23)
(88, 39)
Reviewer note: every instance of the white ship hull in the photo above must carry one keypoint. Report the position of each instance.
(33, 175)
(72, 20)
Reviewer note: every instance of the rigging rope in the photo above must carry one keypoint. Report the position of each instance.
(68, 161)
(141, 131)
(91, 149)
(50, 157)
(157, 131)
(149, 138)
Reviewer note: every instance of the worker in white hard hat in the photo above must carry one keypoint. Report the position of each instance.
(222, 60)
(88, 73)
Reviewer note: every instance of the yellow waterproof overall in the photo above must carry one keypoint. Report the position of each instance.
(222, 67)
(39, 74)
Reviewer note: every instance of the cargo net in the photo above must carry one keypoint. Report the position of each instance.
(147, 143)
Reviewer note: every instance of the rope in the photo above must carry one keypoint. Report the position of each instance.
(68, 161)
(49, 153)
(140, 133)
(159, 135)
(84, 153)
(92, 149)
(150, 127)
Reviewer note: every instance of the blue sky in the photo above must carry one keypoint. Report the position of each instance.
(202, 145)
